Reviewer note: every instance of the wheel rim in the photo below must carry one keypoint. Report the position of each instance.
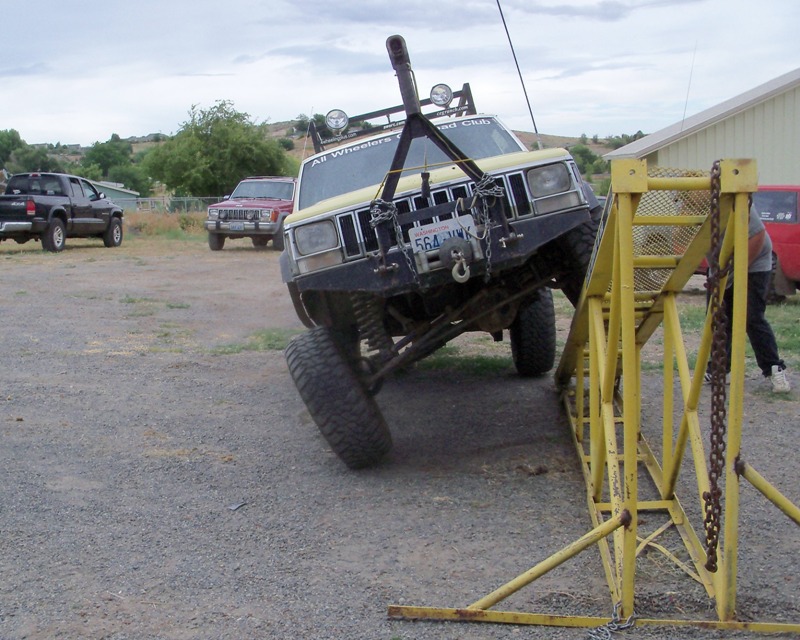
(117, 233)
(58, 236)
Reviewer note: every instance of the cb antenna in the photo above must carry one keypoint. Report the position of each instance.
(522, 82)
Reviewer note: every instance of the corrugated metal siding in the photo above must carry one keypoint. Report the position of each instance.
(768, 132)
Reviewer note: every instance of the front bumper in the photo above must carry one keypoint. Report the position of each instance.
(242, 227)
(396, 275)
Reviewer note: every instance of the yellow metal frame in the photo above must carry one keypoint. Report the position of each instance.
(615, 317)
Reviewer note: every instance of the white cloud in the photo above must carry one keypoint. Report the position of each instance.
(610, 66)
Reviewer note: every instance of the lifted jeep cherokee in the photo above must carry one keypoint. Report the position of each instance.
(402, 241)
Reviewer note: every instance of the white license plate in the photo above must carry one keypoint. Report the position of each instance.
(236, 226)
(431, 236)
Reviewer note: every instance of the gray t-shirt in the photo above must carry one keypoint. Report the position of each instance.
(763, 261)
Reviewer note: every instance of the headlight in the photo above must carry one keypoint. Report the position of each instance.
(222, 215)
(316, 237)
(545, 181)
(213, 214)
(251, 215)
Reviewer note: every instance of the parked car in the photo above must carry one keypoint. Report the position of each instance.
(51, 207)
(778, 207)
(256, 210)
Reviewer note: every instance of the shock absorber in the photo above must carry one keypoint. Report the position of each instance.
(368, 310)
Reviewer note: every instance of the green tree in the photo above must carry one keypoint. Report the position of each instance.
(115, 152)
(28, 158)
(584, 157)
(214, 150)
(133, 177)
(9, 141)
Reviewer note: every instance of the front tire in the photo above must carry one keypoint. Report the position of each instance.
(259, 242)
(113, 235)
(344, 411)
(54, 236)
(533, 336)
(577, 249)
(216, 241)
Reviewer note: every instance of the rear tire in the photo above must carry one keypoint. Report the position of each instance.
(344, 411)
(216, 241)
(54, 236)
(533, 336)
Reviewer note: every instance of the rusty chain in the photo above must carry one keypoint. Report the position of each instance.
(719, 370)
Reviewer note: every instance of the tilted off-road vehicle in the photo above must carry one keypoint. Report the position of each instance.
(403, 240)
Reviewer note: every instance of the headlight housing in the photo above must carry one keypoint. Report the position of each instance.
(316, 237)
(548, 180)
(213, 214)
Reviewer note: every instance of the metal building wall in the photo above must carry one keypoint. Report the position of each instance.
(768, 131)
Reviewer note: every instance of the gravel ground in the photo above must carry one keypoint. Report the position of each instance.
(159, 482)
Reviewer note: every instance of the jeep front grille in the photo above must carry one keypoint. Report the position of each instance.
(359, 238)
(241, 214)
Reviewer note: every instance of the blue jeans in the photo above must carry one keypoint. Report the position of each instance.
(759, 331)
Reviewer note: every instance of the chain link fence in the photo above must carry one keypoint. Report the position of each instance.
(165, 204)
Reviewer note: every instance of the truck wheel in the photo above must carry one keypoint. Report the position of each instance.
(345, 413)
(259, 242)
(533, 336)
(113, 235)
(277, 239)
(54, 236)
(579, 245)
(216, 241)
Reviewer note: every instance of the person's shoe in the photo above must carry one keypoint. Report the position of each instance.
(780, 383)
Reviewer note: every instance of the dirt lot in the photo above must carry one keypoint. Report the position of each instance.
(160, 479)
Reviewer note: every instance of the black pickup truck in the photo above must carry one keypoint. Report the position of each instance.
(54, 206)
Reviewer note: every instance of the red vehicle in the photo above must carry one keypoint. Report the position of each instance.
(256, 210)
(778, 207)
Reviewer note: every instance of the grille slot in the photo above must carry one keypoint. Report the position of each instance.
(241, 214)
(359, 238)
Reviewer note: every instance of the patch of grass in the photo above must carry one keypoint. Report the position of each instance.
(132, 300)
(173, 226)
(178, 305)
(264, 340)
(455, 358)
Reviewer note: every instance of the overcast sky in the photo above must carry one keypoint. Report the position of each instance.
(78, 71)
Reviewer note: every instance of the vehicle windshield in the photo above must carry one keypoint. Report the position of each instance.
(346, 169)
(273, 190)
(776, 206)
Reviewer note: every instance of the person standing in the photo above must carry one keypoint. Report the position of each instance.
(759, 331)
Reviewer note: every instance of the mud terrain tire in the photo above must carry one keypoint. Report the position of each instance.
(344, 411)
(216, 241)
(577, 245)
(533, 336)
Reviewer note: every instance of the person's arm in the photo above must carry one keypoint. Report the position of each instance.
(754, 244)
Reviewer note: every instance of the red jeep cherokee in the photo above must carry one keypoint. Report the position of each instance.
(254, 210)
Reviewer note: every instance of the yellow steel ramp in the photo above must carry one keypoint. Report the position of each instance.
(657, 228)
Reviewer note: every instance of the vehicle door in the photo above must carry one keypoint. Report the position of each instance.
(81, 215)
(100, 207)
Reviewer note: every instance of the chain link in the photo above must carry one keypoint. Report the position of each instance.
(386, 211)
(613, 625)
(719, 370)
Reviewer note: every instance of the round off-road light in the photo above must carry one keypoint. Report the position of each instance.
(336, 120)
(441, 95)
